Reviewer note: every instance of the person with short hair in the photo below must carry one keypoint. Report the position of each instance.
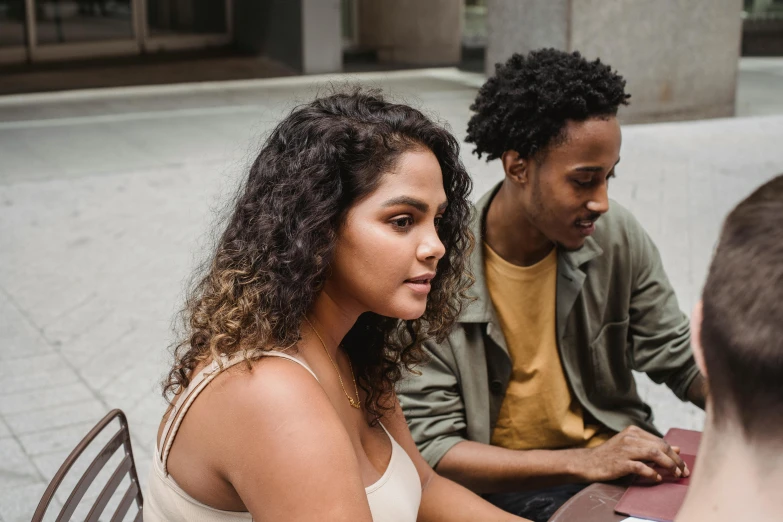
(532, 395)
(738, 343)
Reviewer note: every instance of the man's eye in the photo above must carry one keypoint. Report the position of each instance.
(402, 222)
(582, 183)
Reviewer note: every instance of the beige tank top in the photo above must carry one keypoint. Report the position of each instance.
(393, 498)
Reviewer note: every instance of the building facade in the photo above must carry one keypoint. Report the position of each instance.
(45, 30)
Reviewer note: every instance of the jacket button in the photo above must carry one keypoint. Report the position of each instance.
(496, 387)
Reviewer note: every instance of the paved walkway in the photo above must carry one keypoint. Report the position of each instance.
(107, 199)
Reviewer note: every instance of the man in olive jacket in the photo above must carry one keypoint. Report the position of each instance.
(532, 395)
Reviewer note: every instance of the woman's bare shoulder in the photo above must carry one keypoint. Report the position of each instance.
(278, 422)
(270, 386)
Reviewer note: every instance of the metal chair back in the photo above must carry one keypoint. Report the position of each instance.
(127, 467)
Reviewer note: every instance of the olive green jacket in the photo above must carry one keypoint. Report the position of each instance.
(616, 312)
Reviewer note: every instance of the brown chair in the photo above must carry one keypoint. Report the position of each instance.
(126, 468)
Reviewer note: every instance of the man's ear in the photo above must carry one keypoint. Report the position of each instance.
(698, 350)
(517, 169)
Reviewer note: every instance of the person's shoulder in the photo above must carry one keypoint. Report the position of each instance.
(278, 404)
(282, 443)
(276, 385)
(254, 400)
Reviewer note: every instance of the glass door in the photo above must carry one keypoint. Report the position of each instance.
(43, 30)
(186, 17)
(13, 38)
(67, 29)
(79, 21)
(187, 24)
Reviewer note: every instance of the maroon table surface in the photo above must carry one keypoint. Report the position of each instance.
(595, 503)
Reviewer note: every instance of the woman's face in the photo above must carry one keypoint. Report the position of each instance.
(388, 249)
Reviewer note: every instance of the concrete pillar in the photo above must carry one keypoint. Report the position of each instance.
(305, 35)
(418, 32)
(680, 57)
(322, 39)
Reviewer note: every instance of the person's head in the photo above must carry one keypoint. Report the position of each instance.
(352, 196)
(738, 327)
(550, 116)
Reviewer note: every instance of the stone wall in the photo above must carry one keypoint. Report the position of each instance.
(412, 32)
(680, 57)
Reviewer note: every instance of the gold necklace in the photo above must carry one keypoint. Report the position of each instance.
(355, 403)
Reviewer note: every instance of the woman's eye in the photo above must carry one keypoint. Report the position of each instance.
(438, 221)
(402, 222)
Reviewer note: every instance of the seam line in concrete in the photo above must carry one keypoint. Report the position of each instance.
(212, 86)
(128, 116)
(122, 172)
(66, 362)
(70, 402)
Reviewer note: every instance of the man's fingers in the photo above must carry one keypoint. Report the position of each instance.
(665, 461)
(674, 454)
(653, 449)
(658, 454)
(641, 434)
(643, 470)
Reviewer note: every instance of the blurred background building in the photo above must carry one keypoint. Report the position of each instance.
(680, 56)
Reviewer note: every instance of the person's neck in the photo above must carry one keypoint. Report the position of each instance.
(331, 320)
(510, 233)
(734, 480)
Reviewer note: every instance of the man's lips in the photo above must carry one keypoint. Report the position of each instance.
(586, 226)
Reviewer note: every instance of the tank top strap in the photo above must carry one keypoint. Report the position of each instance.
(283, 355)
(183, 402)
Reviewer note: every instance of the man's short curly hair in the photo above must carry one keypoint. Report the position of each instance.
(526, 105)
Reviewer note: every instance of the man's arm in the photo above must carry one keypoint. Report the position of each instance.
(659, 332)
(491, 469)
(435, 413)
(432, 403)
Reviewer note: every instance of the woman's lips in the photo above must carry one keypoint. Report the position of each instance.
(422, 288)
(420, 285)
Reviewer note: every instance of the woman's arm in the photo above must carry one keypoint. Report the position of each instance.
(442, 500)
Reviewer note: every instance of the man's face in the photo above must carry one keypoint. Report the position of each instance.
(566, 190)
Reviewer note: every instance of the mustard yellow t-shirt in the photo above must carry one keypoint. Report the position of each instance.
(538, 411)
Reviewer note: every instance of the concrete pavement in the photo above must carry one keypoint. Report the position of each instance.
(108, 200)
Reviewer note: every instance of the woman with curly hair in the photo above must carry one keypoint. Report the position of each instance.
(345, 249)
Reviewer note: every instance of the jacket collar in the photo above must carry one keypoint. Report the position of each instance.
(480, 308)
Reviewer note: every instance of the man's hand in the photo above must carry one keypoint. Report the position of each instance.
(633, 450)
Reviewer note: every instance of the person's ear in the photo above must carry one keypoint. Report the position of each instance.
(517, 169)
(698, 351)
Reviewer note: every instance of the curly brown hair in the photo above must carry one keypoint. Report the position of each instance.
(273, 257)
